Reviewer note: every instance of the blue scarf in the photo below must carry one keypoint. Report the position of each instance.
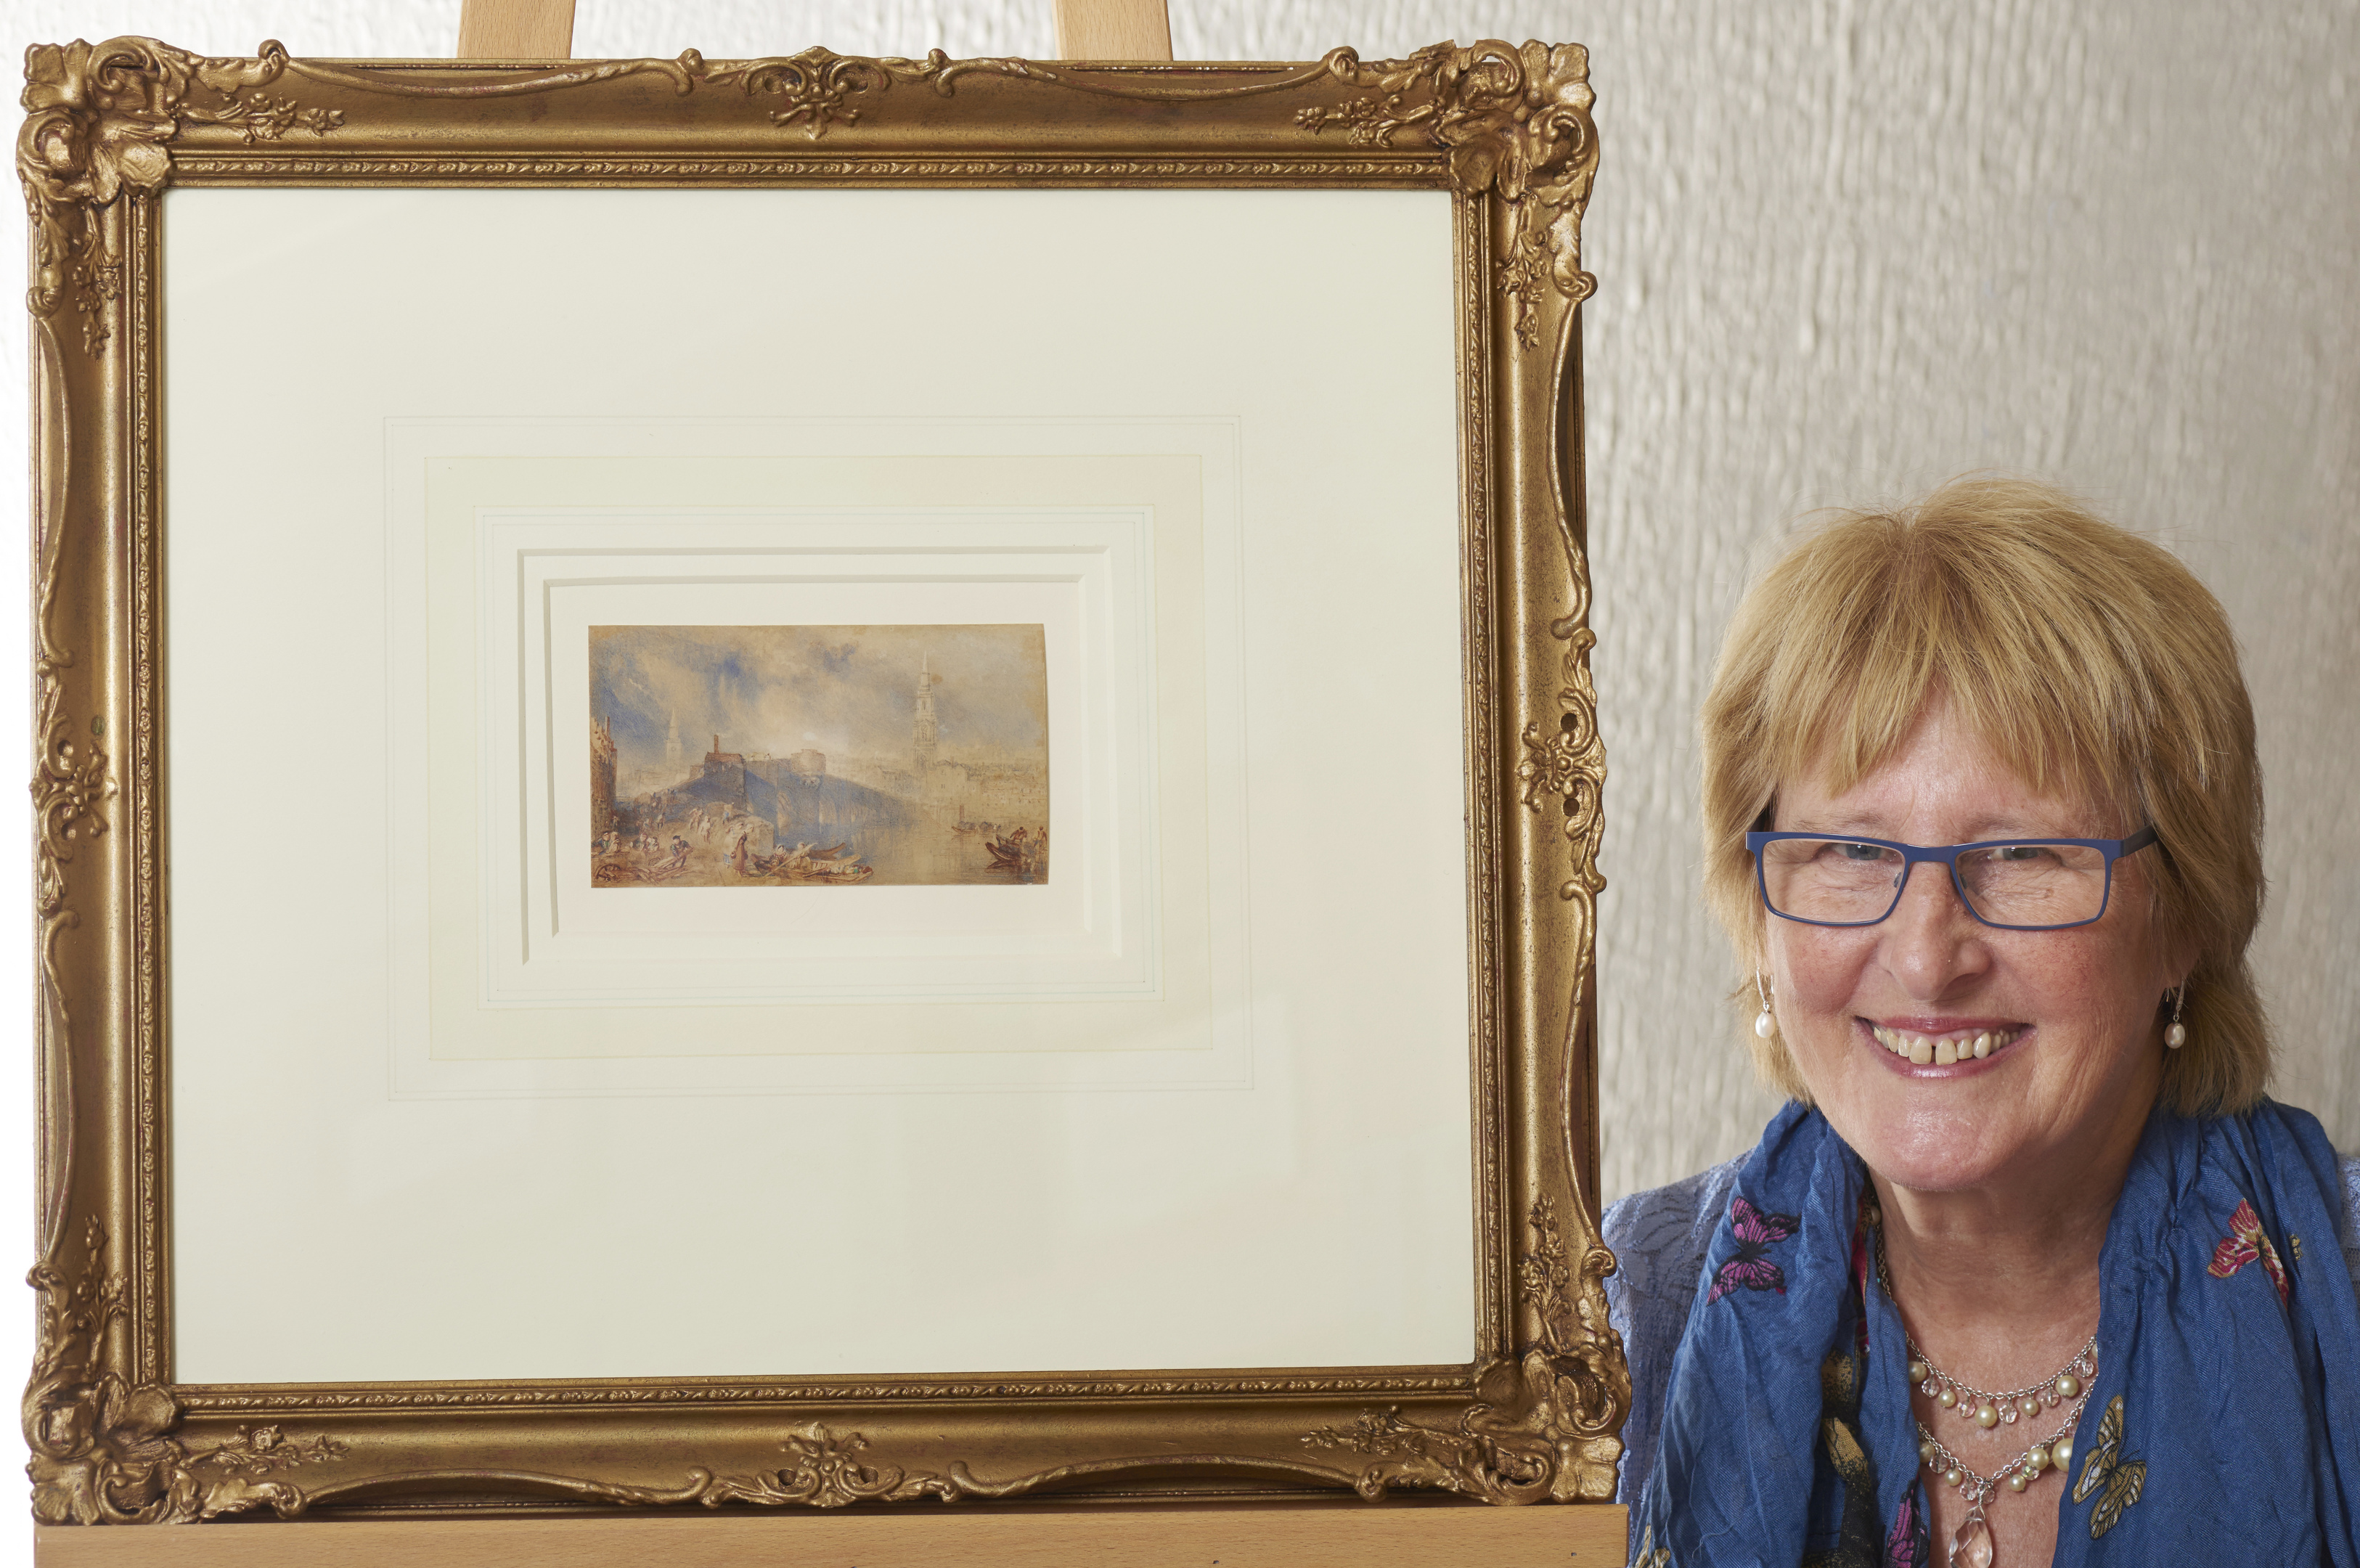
(2222, 1426)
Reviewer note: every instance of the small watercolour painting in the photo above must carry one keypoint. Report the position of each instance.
(818, 756)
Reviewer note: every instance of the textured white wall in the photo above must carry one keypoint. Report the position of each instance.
(1845, 250)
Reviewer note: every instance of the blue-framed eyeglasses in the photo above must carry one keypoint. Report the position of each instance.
(2017, 884)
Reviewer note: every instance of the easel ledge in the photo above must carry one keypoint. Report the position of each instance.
(1338, 1535)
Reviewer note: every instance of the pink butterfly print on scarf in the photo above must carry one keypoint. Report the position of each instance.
(1907, 1546)
(1755, 1230)
(2244, 1244)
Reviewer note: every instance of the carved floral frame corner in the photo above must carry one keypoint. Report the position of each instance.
(1533, 1417)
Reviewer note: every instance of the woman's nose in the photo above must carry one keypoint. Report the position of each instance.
(1930, 938)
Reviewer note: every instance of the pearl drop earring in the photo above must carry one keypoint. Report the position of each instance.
(1765, 1026)
(2177, 1035)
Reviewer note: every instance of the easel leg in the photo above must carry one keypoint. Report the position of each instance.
(1114, 29)
(516, 29)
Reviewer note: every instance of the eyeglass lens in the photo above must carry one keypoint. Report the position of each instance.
(1845, 883)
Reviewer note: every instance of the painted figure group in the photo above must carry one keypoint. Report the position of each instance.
(1024, 852)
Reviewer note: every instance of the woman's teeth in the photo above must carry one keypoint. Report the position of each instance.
(1942, 1050)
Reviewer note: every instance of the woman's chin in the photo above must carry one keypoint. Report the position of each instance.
(1925, 1149)
(1933, 1169)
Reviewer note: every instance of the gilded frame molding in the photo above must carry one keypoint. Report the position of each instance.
(1532, 1416)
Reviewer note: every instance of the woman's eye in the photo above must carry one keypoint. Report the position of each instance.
(1860, 851)
(2020, 852)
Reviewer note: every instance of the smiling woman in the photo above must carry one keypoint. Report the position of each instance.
(2003, 1221)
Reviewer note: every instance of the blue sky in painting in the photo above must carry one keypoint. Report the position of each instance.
(843, 691)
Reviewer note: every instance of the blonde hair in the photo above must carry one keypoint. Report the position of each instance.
(2091, 661)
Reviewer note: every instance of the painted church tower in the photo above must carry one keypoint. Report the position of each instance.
(921, 729)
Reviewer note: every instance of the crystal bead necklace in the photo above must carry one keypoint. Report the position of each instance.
(1970, 1543)
(1988, 1411)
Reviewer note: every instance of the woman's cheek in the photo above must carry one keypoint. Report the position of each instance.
(1821, 979)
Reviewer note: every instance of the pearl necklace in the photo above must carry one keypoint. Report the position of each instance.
(1970, 1543)
(1988, 1411)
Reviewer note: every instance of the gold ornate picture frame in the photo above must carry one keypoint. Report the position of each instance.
(117, 1437)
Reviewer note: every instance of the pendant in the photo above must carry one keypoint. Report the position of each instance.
(1971, 1546)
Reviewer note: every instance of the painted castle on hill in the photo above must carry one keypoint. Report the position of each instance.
(840, 756)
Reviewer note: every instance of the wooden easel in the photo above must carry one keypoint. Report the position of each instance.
(1340, 1534)
(543, 29)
